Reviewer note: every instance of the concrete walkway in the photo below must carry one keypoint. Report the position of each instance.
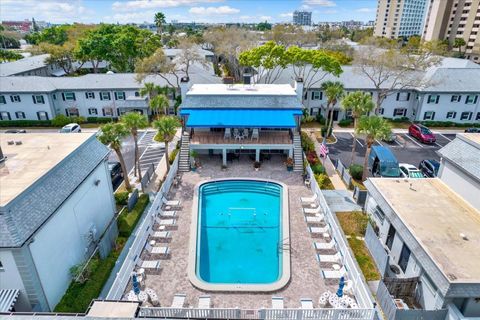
(341, 201)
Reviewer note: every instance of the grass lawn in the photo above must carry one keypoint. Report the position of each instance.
(354, 224)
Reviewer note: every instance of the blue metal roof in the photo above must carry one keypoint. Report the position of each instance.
(240, 118)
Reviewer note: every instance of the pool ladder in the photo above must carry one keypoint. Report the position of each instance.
(284, 246)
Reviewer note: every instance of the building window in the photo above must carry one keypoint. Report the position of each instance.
(471, 99)
(400, 112)
(137, 94)
(15, 98)
(451, 115)
(54, 96)
(68, 96)
(381, 110)
(92, 111)
(317, 95)
(42, 115)
(2, 100)
(466, 116)
(429, 115)
(119, 95)
(107, 112)
(1, 266)
(72, 112)
(104, 95)
(90, 95)
(20, 115)
(38, 99)
(379, 214)
(403, 96)
(456, 98)
(404, 257)
(478, 116)
(390, 237)
(433, 98)
(5, 115)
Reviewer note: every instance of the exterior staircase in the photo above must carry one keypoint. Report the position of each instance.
(184, 158)
(297, 153)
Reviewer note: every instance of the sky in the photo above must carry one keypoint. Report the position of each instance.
(138, 11)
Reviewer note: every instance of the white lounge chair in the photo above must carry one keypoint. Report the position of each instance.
(319, 230)
(149, 264)
(161, 234)
(337, 257)
(178, 300)
(167, 222)
(277, 303)
(306, 303)
(317, 210)
(160, 250)
(309, 200)
(334, 274)
(170, 214)
(314, 219)
(204, 302)
(324, 245)
(172, 203)
(153, 297)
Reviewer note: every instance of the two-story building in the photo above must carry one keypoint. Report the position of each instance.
(56, 209)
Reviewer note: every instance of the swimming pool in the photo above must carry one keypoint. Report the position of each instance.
(240, 239)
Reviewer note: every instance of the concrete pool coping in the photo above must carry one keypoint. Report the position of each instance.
(192, 256)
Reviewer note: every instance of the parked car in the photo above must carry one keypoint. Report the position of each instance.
(429, 168)
(472, 130)
(116, 173)
(421, 133)
(382, 162)
(16, 131)
(409, 171)
(71, 127)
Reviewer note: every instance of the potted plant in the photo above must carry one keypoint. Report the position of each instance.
(256, 165)
(289, 164)
(193, 157)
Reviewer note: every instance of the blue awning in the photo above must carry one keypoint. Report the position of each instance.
(241, 118)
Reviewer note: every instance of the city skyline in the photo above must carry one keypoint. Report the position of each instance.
(202, 11)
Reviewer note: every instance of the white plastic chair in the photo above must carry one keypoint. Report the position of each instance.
(306, 303)
(178, 300)
(324, 245)
(277, 303)
(337, 257)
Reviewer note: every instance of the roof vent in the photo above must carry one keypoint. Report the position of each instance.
(464, 236)
(18, 142)
(10, 142)
(411, 187)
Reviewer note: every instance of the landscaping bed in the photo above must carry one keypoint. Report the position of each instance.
(354, 224)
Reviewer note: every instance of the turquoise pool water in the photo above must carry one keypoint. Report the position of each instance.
(239, 230)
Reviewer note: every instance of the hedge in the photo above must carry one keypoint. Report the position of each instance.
(449, 124)
(356, 171)
(345, 122)
(25, 123)
(128, 220)
(121, 198)
(52, 123)
(317, 168)
(100, 120)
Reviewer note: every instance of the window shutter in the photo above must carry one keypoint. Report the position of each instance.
(63, 96)
(475, 100)
(398, 96)
(11, 98)
(454, 115)
(74, 99)
(34, 101)
(321, 95)
(86, 95)
(311, 98)
(470, 115)
(38, 115)
(101, 96)
(433, 115)
(116, 95)
(408, 96)
(436, 100)
(103, 112)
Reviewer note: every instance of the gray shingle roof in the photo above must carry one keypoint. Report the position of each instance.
(466, 155)
(24, 215)
(239, 101)
(23, 65)
(454, 80)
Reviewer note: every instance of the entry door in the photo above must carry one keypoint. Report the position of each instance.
(335, 115)
(404, 257)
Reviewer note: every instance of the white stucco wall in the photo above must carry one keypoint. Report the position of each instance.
(10, 279)
(62, 241)
(461, 183)
(445, 105)
(27, 106)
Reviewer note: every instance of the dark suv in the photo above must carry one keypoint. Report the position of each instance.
(429, 168)
(115, 173)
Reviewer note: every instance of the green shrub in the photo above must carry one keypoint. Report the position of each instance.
(98, 120)
(77, 120)
(307, 119)
(318, 168)
(127, 221)
(60, 120)
(324, 182)
(345, 122)
(121, 198)
(172, 155)
(356, 171)
(321, 119)
(25, 123)
(307, 142)
(324, 131)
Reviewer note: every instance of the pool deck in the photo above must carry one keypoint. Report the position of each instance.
(306, 280)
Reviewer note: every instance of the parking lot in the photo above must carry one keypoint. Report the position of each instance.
(405, 148)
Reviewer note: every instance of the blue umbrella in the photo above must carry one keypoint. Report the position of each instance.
(136, 285)
(340, 287)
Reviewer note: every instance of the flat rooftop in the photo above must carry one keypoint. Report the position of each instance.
(473, 138)
(27, 162)
(436, 216)
(240, 89)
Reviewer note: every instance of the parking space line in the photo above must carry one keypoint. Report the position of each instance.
(398, 143)
(439, 145)
(444, 136)
(353, 136)
(379, 142)
(413, 140)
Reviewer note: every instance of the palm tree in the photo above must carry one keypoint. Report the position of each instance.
(112, 134)
(159, 103)
(167, 127)
(359, 103)
(334, 91)
(374, 127)
(134, 121)
(149, 90)
(159, 21)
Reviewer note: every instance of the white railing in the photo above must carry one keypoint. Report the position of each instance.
(140, 238)
(274, 314)
(361, 291)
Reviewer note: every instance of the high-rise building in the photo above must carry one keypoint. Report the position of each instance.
(451, 19)
(400, 18)
(302, 18)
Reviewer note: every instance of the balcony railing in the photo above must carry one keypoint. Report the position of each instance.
(265, 137)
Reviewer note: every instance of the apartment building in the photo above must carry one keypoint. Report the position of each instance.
(400, 18)
(451, 19)
(302, 18)
(56, 209)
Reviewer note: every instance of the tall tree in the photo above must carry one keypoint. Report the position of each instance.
(334, 91)
(158, 104)
(167, 127)
(134, 121)
(459, 43)
(359, 103)
(149, 89)
(374, 128)
(159, 21)
(112, 134)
